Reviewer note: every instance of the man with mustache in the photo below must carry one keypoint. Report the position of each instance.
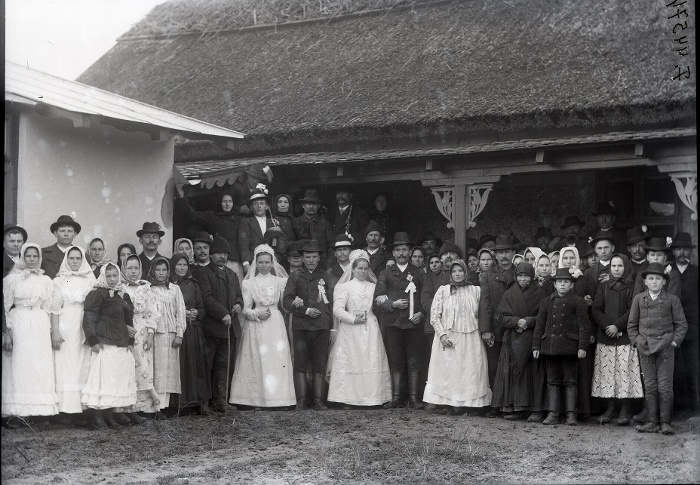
(606, 215)
(374, 236)
(150, 238)
(636, 246)
(347, 217)
(312, 225)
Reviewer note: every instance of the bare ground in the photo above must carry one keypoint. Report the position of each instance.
(371, 446)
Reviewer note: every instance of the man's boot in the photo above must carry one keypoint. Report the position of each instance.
(203, 409)
(319, 385)
(571, 404)
(652, 425)
(665, 412)
(220, 405)
(301, 388)
(396, 394)
(553, 405)
(413, 401)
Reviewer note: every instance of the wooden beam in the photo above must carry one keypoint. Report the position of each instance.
(429, 164)
(460, 211)
(544, 157)
(640, 150)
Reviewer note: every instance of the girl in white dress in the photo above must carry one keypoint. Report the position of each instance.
(28, 384)
(358, 368)
(263, 373)
(71, 354)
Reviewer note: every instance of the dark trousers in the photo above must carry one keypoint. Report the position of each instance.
(686, 382)
(311, 346)
(404, 348)
(657, 372)
(426, 352)
(218, 359)
(492, 356)
(561, 370)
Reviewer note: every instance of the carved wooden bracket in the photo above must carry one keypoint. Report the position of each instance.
(687, 189)
(478, 196)
(445, 203)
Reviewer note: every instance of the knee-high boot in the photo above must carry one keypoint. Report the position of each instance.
(319, 387)
(396, 392)
(301, 388)
(413, 401)
(652, 406)
(571, 404)
(552, 404)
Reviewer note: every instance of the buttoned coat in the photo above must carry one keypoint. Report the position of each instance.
(358, 222)
(317, 228)
(51, 259)
(220, 293)
(305, 285)
(392, 282)
(250, 236)
(562, 326)
(377, 261)
(494, 284)
(654, 324)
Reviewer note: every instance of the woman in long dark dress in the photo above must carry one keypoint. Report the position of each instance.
(194, 370)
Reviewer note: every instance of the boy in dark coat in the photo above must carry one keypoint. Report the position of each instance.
(562, 334)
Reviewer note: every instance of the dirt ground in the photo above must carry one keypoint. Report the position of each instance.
(371, 446)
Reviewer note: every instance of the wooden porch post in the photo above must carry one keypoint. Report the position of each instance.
(459, 197)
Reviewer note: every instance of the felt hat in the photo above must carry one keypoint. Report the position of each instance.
(602, 235)
(525, 268)
(605, 208)
(260, 171)
(311, 246)
(564, 274)
(65, 221)
(504, 242)
(472, 243)
(258, 193)
(682, 240)
(219, 245)
(573, 221)
(401, 238)
(343, 188)
(655, 268)
(342, 241)
(311, 197)
(636, 234)
(587, 250)
(373, 226)
(450, 247)
(544, 232)
(150, 228)
(429, 236)
(486, 238)
(658, 244)
(295, 248)
(202, 236)
(9, 227)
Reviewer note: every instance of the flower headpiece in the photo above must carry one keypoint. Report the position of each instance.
(575, 272)
(611, 204)
(644, 230)
(261, 187)
(590, 240)
(669, 241)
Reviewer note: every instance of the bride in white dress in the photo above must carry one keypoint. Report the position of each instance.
(357, 367)
(263, 373)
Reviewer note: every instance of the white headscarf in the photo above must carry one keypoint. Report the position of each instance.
(573, 249)
(21, 266)
(102, 280)
(536, 252)
(84, 270)
(277, 269)
(189, 253)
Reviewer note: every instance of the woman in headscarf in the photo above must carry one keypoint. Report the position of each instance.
(520, 383)
(124, 250)
(554, 259)
(532, 254)
(282, 212)
(616, 371)
(358, 368)
(184, 245)
(418, 258)
(458, 373)
(71, 355)
(263, 373)
(543, 274)
(485, 261)
(195, 378)
(28, 384)
(111, 383)
(170, 327)
(97, 255)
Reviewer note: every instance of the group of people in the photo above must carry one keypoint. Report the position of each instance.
(265, 309)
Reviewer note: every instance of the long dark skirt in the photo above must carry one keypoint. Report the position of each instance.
(524, 392)
(194, 369)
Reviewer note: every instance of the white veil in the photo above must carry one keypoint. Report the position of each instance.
(277, 269)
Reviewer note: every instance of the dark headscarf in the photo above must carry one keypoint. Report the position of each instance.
(119, 250)
(219, 210)
(152, 272)
(174, 278)
(626, 274)
(290, 212)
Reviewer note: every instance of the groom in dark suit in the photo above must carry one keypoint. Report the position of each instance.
(251, 232)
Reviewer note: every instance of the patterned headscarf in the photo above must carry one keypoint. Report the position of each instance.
(190, 253)
(139, 279)
(152, 272)
(453, 284)
(102, 280)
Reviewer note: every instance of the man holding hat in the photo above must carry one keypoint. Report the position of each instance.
(150, 238)
(346, 217)
(658, 250)
(64, 230)
(306, 296)
(341, 248)
(374, 236)
(221, 294)
(13, 238)
(311, 225)
(397, 294)
(251, 232)
(606, 214)
(636, 244)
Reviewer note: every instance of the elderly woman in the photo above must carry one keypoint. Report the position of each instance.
(71, 356)
(28, 385)
(458, 373)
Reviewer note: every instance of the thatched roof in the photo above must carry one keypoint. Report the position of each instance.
(434, 70)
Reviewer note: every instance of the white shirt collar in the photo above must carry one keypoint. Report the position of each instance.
(682, 267)
(372, 251)
(402, 267)
(604, 263)
(63, 248)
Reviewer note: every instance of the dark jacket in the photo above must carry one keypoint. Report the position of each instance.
(215, 222)
(250, 236)
(611, 306)
(193, 299)
(358, 222)
(377, 261)
(7, 264)
(220, 293)
(494, 284)
(333, 274)
(105, 318)
(562, 326)
(431, 283)
(146, 263)
(51, 259)
(393, 283)
(689, 301)
(390, 223)
(654, 324)
(673, 285)
(316, 228)
(304, 284)
(588, 283)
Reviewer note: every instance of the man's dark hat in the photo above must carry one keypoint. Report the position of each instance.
(605, 208)
(603, 235)
(450, 247)
(295, 248)
(202, 236)
(342, 241)
(219, 245)
(257, 194)
(401, 238)
(260, 171)
(65, 221)
(682, 240)
(486, 238)
(9, 227)
(573, 221)
(525, 268)
(311, 197)
(343, 188)
(472, 244)
(544, 232)
(635, 235)
(504, 243)
(429, 236)
(372, 227)
(150, 228)
(311, 246)
(587, 250)
(657, 244)
(655, 268)
(564, 274)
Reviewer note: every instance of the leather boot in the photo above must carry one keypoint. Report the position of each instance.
(553, 405)
(108, 415)
(121, 419)
(220, 404)
(396, 394)
(203, 409)
(665, 410)
(571, 393)
(413, 401)
(623, 418)
(98, 421)
(135, 418)
(301, 388)
(319, 385)
(652, 425)
(641, 416)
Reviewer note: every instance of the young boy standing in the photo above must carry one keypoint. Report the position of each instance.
(656, 327)
(562, 334)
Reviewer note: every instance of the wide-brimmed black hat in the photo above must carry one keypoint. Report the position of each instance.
(486, 238)
(635, 235)
(587, 250)
(657, 244)
(564, 274)
(149, 228)
(603, 235)
(544, 232)
(401, 238)
(311, 246)
(342, 241)
(450, 247)
(504, 242)
(65, 221)
(311, 197)
(682, 240)
(655, 268)
(573, 221)
(605, 208)
(295, 248)
(9, 227)
(429, 236)
(202, 236)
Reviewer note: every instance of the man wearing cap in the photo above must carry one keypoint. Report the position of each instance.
(636, 244)
(150, 238)
(13, 239)
(494, 284)
(306, 296)
(397, 295)
(341, 249)
(430, 243)
(311, 225)
(374, 236)
(605, 216)
(346, 217)
(658, 250)
(252, 229)
(221, 294)
(64, 230)
(686, 372)
(201, 243)
(255, 174)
